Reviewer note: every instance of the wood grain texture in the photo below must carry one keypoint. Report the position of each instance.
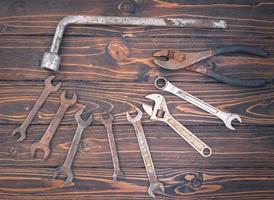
(111, 69)
(254, 105)
(26, 183)
(245, 18)
(247, 147)
(86, 58)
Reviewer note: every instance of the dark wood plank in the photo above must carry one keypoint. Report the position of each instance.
(129, 60)
(247, 147)
(26, 183)
(254, 105)
(246, 18)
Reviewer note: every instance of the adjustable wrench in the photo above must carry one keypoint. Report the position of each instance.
(163, 84)
(155, 184)
(44, 143)
(66, 167)
(160, 112)
(49, 88)
(107, 122)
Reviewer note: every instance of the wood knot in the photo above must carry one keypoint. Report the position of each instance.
(127, 7)
(118, 50)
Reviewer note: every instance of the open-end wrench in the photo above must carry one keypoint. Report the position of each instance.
(107, 122)
(160, 112)
(48, 89)
(155, 185)
(44, 142)
(163, 84)
(66, 167)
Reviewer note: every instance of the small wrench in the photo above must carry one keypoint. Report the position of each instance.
(155, 184)
(107, 122)
(48, 89)
(44, 143)
(160, 112)
(66, 167)
(163, 84)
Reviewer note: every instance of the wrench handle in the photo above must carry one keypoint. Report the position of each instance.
(145, 152)
(46, 139)
(189, 137)
(40, 101)
(112, 146)
(74, 146)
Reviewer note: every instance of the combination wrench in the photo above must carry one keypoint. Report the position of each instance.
(160, 112)
(44, 142)
(48, 89)
(155, 185)
(107, 122)
(163, 84)
(66, 167)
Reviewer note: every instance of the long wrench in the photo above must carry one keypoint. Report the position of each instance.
(51, 60)
(48, 89)
(155, 185)
(107, 122)
(163, 84)
(44, 142)
(160, 112)
(66, 167)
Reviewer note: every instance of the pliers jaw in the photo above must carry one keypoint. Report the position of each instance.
(169, 59)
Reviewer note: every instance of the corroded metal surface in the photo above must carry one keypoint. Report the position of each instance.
(51, 59)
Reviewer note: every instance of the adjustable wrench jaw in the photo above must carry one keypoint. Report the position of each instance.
(39, 145)
(160, 110)
(156, 187)
(63, 169)
(81, 122)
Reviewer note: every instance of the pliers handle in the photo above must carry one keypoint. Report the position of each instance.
(174, 59)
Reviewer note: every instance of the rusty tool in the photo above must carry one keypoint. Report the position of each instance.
(48, 89)
(66, 167)
(107, 120)
(198, 62)
(44, 142)
(163, 84)
(160, 112)
(155, 185)
(51, 60)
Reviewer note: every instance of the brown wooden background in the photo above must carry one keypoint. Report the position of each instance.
(111, 78)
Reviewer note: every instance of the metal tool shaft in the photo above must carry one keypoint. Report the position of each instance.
(51, 60)
(74, 146)
(163, 84)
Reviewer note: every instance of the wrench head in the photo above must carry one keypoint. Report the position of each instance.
(38, 145)
(82, 122)
(63, 169)
(157, 187)
(22, 133)
(158, 111)
(136, 118)
(66, 100)
(117, 175)
(106, 118)
(229, 120)
(50, 86)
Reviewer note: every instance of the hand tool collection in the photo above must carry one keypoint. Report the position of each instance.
(167, 59)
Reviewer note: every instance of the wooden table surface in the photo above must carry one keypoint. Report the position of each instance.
(111, 69)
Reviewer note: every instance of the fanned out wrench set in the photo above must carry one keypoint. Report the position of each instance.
(167, 59)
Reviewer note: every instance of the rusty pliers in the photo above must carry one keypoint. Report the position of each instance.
(198, 62)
